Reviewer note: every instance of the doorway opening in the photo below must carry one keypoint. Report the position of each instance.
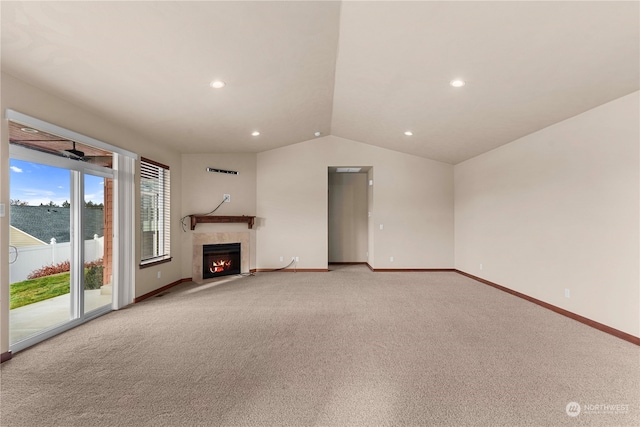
(349, 214)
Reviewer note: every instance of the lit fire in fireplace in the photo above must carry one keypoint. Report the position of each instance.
(219, 266)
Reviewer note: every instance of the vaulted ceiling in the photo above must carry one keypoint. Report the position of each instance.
(367, 71)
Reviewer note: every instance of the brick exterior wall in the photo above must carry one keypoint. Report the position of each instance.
(108, 231)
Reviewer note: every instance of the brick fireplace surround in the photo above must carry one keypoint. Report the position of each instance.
(200, 239)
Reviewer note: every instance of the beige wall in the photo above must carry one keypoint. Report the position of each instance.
(412, 198)
(202, 191)
(559, 209)
(348, 221)
(29, 100)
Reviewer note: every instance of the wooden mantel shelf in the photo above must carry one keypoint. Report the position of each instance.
(208, 219)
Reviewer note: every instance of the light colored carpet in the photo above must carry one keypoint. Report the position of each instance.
(344, 348)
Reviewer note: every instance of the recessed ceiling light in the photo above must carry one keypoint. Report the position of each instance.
(218, 84)
(29, 130)
(255, 133)
(457, 83)
(348, 170)
(317, 133)
(408, 133)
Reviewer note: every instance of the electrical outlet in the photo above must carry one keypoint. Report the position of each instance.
(381, 227)
(567, 293)
(159, 274)
(297, 259)
(281, 258)
(227, 198)
(390, 259)
(480, 266)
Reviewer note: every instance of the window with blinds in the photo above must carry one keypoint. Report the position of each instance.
(155, 210)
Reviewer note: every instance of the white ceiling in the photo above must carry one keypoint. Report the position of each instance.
(361, 70)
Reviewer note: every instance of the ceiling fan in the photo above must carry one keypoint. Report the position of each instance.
(73, 153)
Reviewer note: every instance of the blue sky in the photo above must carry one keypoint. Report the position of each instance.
(36, 183)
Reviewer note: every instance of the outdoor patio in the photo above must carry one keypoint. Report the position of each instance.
(33, 318)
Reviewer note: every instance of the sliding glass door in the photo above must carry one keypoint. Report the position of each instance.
(40, 274)
(79, 240)
(61, 216)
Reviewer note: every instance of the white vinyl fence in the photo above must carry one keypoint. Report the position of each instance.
(31, 258)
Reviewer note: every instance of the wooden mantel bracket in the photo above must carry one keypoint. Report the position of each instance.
(208, 219)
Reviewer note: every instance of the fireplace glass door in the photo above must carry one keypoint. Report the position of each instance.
(220, 260)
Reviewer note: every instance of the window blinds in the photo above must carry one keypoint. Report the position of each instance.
(155, 211)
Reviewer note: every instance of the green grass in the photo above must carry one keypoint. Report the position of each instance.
(40, 289)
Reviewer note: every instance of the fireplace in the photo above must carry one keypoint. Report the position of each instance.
(200, 240)
(220, 260)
